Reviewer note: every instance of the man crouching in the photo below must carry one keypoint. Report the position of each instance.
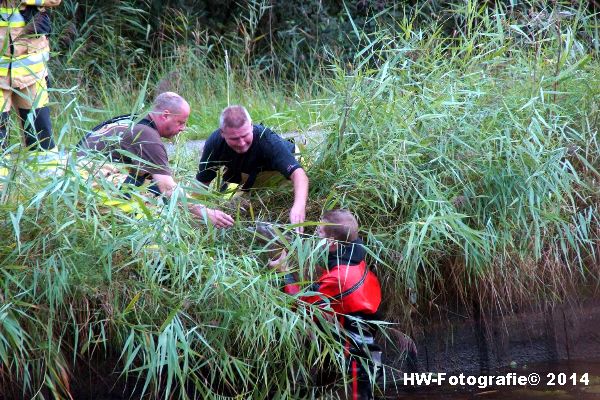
(138, 144)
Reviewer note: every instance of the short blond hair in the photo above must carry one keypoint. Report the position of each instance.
(341, 226)
(233, 117)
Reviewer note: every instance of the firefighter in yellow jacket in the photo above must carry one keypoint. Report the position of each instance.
(24, 26)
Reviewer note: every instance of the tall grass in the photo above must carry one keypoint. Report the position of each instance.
(470, 157)
(100, 71)
(178, 309)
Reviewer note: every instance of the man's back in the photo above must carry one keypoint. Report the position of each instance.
(137, 145)
(348, 286)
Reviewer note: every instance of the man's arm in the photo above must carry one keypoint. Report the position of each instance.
(280, 154)
(36, 17)
(327, 286)
(166, 184)
(298, 210)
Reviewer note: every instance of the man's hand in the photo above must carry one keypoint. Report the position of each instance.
(280, 263)
(166, 186)
(217, 217)
(298, 215)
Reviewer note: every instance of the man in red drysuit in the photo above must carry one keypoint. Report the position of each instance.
(351, 291)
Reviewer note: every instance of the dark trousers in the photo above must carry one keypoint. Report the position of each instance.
(137, 180)
(36, 125)
(363, 358)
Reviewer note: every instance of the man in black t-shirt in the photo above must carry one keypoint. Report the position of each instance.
(245, 150)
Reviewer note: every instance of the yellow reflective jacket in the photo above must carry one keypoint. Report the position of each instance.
(25, 53)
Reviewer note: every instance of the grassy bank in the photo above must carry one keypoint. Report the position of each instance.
(471, 161)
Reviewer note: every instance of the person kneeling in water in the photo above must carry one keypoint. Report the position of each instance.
(351, 290)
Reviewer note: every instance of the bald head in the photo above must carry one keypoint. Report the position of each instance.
(170, 101)
(170, 113)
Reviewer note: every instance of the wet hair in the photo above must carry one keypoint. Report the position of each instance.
(168, 101)
(344, 226)
(234, 117)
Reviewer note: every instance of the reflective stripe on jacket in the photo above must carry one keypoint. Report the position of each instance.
(25, 53)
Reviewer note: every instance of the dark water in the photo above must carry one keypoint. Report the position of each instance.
(577, 380)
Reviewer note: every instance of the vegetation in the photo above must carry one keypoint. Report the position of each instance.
(470, 155)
